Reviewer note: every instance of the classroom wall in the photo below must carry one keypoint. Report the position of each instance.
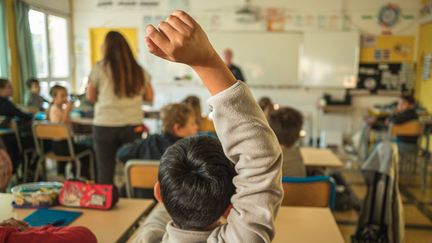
(88, 15)
(58, 6)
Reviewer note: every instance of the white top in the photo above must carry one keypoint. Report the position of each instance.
(110, 110)
(55, 114)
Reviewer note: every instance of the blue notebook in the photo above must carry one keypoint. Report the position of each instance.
(43, 216)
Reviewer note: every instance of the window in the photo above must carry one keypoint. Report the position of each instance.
(50, 37)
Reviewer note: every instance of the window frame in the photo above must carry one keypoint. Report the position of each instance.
(49, 78)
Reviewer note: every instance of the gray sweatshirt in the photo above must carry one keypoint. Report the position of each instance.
(248, 142)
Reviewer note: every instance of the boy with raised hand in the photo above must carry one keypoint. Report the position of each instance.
(198, 182)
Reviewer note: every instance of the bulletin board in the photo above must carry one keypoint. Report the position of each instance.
(97, 38)
(388, 49)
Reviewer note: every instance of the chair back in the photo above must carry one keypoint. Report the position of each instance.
(312, 191)
(412, 128)
(12, 125)
(51, 131)
(141, 174)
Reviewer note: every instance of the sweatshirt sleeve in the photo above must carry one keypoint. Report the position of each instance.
(154, 227)
(10, 110)
(50, 234)
(252, 146)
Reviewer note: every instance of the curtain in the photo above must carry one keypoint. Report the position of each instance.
(4, 67)
(24, 43)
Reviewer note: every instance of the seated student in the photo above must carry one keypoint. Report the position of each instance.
(12, 231)
(5, 167)
(405, 112)
(10, 111)
(7, 108)
(178, 121)
(59, 112)
(197, 180)
(34, 100)
(287, 124)
(204, 124)
(266, 105)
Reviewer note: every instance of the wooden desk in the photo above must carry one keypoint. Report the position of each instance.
(320, 157)
(108, 226)
(306, 225)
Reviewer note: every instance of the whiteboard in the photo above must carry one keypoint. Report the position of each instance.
(265, 58)
(330, 59)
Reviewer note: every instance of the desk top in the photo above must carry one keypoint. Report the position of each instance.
(82, 121)
(306, 225)
(108, 226)
(320, 157)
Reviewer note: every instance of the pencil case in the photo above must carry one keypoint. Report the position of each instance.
(88, 195)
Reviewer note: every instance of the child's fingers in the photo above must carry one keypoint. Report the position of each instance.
(168, 30)
(155, 50)
(157, 38)
(183, 16)
(179, 25)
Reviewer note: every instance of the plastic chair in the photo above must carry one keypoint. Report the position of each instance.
(58, 132)
(140, 174)
(311, 191)
(408, 158)
(27, 154)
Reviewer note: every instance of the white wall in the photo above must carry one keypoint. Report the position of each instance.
(86, 15)
(58, 6)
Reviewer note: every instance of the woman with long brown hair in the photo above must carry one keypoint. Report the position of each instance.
(117, 86)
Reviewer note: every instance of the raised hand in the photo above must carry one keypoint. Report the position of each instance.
(180, 39)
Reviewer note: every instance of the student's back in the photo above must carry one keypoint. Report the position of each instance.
(287, 124)
(197, 181)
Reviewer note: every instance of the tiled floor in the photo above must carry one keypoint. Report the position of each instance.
(417, 207)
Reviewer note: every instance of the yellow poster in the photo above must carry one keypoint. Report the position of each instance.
(390, 49)
(97, 37)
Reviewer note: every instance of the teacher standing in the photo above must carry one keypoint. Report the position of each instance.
(117, 85)
(235, 70)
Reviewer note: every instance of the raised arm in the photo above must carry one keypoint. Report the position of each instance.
(181, 39)
(240, 124)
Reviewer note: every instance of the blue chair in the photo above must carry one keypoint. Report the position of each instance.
(311, 191)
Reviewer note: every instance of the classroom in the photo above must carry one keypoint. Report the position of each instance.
(147, 121)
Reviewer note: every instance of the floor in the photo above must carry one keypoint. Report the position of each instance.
(417, 205)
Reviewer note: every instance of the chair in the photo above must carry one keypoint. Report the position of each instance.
(58, 132)
(23, 151)
(29, 153)
(408, 158)
(140, 174)
(312, 191)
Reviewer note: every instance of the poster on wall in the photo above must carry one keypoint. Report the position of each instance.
(426, 8)
(427, 62)
(128, 4)
(308, 22)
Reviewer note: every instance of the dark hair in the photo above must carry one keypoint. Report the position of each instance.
(195, 180)
(31, 81)
(266, 106)
(175, 114)
(287, 124)
(56, 88)
(3, 83)
(126, 73)
(408, 98)
(195, 103)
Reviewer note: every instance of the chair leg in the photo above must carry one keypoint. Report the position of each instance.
(78, 168)
(39, 166)
(25, 170)
(91, 165)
